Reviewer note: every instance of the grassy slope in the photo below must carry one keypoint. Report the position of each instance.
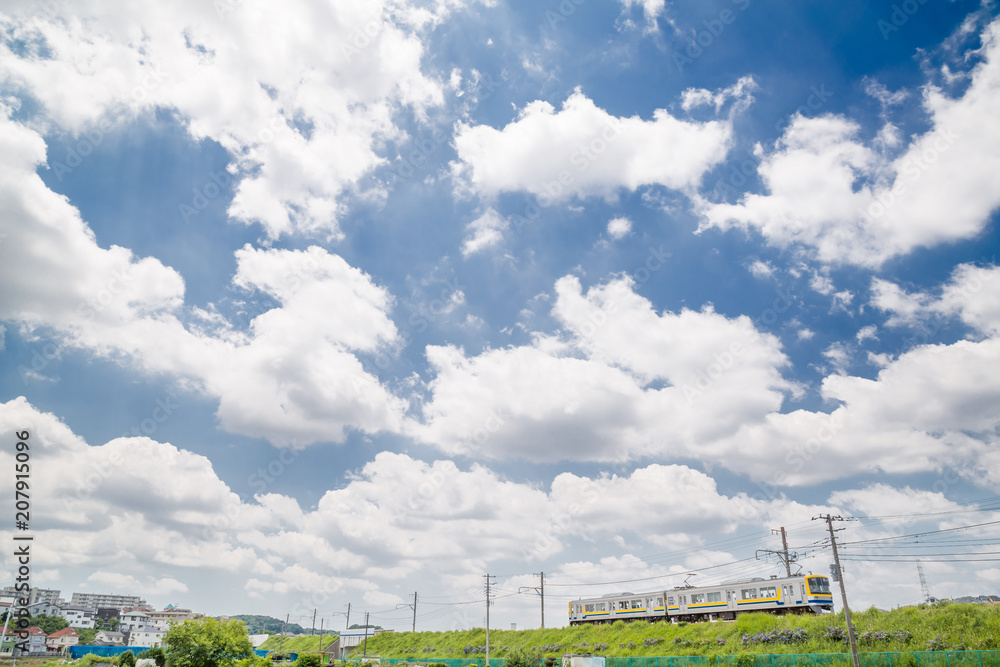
(978, 626)
(298, 644)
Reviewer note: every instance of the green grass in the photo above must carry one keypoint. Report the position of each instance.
(957, 625)
(300, 644)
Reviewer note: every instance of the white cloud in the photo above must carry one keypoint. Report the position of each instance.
(761, 269)
(972, 293)
(280, 112)
(295, 375)
(582, 151)
(828, 191)
(619, 228)
(485, 231)
(651, 9)
(869, 332)
(592, 394)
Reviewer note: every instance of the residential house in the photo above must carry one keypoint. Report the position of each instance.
(170, 615)
(109, 638)
(148, 636)
(132, 619)
(77, 616)
(59, 640)
(44, 607)
(35, 639)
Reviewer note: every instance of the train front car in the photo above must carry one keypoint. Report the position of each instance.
(818, 596)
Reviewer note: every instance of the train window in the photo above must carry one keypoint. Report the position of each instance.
(636, 604)
(589, 607)
(697, 598)
(803, 592)
(819, 585)
(714, 597)
(670, 599)
(623, 604)
(768, 591)
(749, 593)
(601, 606)
(659, 601)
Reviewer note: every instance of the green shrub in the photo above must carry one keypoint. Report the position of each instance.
(127, 659)
(156, 653)
(309, 660)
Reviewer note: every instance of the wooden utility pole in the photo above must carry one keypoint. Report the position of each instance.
(843, 591)
(784, 546)
(365, 651)
(541, 591)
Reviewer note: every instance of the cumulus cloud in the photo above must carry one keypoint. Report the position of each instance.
(295, 375)
(618, 228)
(583, 151)
(972, 293)
(485, 231)
(279, 112)
(828, 191)
(619, 381)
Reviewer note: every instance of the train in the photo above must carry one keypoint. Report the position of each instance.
(798, 594)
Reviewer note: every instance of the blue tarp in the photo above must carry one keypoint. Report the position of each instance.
(77, 652)
(261, 652)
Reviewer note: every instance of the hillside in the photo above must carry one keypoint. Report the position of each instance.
(259, 625)
(302, 644)
(955, 626)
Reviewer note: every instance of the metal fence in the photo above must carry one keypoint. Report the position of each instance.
(894, 659)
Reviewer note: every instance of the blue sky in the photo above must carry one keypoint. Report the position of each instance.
(328, 305)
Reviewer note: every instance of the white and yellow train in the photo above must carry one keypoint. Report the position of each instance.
(792, 595)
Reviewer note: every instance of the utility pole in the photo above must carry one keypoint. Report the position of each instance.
(488, 603)
(541, 591)
(413, 607)
(321, 633)
(843, 591)
(313, 631)
(281, 642)
(782, 555)
(365, 650)
(784, 546)
(347, 626)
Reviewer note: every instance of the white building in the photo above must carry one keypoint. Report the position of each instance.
(133, 619)
(147, 635)
(77, 616)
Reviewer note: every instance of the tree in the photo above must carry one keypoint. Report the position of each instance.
(127, 659)
(49, 624)
(87, 636)
(154, 653)
(308, 660)
(207, 642)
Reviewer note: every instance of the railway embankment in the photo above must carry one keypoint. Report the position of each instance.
(910, 629)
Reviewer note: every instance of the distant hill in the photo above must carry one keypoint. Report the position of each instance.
(260, 625)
